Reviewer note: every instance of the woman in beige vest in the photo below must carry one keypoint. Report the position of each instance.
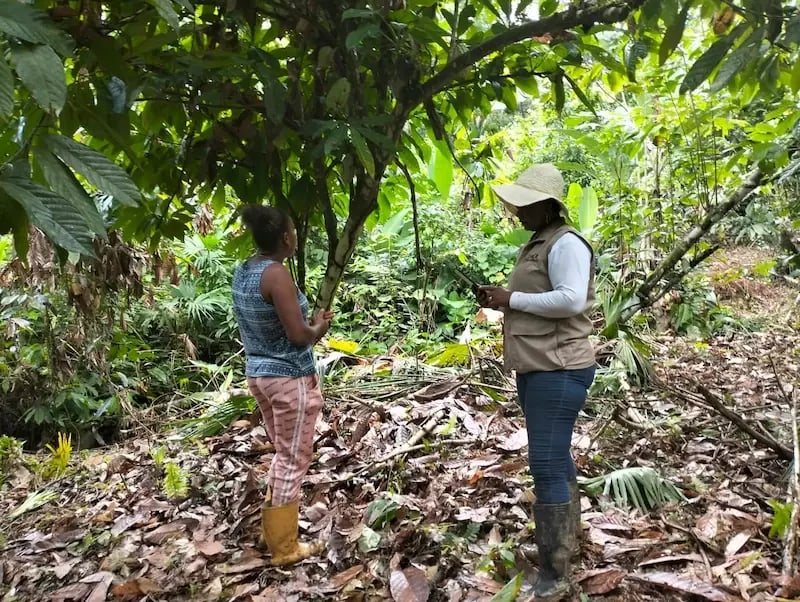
(546, 342)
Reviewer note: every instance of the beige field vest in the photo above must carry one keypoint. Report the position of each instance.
(532, 343)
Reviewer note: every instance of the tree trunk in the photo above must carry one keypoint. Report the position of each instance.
(362, 204)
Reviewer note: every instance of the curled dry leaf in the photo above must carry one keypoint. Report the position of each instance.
(339, 580)
(409, 585)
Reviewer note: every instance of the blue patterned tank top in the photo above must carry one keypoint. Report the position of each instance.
(269, 352)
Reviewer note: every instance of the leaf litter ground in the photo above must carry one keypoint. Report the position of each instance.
(421, 491)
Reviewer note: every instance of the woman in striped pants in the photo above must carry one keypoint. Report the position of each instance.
(272, 314)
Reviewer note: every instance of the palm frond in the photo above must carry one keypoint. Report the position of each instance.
(632, 352)
(221, 411)
(638, 487)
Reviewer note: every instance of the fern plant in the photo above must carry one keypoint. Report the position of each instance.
(158, 454)
(639, 487)
(176, 481)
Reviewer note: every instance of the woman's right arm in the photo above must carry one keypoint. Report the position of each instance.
(278, 288)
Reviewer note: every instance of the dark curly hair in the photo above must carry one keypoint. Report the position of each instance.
(267, 225)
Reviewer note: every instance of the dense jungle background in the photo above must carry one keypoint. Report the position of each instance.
(132, 133)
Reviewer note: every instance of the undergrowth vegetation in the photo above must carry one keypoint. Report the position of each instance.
(88, 347)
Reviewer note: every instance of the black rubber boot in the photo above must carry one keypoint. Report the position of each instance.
(575, 515)
(555, 538)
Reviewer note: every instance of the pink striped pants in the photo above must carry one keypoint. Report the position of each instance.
(290, 407)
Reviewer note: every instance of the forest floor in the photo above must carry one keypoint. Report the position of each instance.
(420, 487)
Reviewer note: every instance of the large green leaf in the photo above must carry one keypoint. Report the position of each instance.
(63, 182)
(604, 57)
(440, 169)
(709, 60)
(14, 219)
(674, 33)
(510, 591)
(580, 94)
(52, 214)
(795, 77)
(363, 152)
(738, 59)
(338, 95)
(636, 51)
(167, 12)
(24, 22)
(42, 72)
(6, 89)
(558, 92)
(368, 30)
(97, 169)
(274, 100)
(587, 210)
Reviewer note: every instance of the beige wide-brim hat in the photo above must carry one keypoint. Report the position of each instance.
(535, 184)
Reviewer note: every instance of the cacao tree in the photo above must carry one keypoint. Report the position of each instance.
(159, 107)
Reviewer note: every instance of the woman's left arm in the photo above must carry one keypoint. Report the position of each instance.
(568, 265)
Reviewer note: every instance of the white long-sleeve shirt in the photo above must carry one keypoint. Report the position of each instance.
(568, 265)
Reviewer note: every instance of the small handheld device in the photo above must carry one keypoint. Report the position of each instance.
(473, 285)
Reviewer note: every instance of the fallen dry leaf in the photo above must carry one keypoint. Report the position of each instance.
(669, 559)
(686, 586)
(103, 580)
(736, 543)
(214, 589)
(209, 548)
(409, 585)
(194, 566)
(245, 566)
(73, 591)
(63, 569)
(164, 532)
(514, 442)
(341, 579)
(135, 588)
(601, 581)
(123, 523)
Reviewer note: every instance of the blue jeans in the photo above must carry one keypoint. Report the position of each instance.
(551, 402)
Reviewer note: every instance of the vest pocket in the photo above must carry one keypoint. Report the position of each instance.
(529, 325)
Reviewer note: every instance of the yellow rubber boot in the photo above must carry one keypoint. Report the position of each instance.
(262, 543)
(279, 530)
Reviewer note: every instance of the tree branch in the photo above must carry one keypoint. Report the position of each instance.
(569, 19)
(331, 224)
(675, 278)
(415, 210)
(742, 194)
(760, 436)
